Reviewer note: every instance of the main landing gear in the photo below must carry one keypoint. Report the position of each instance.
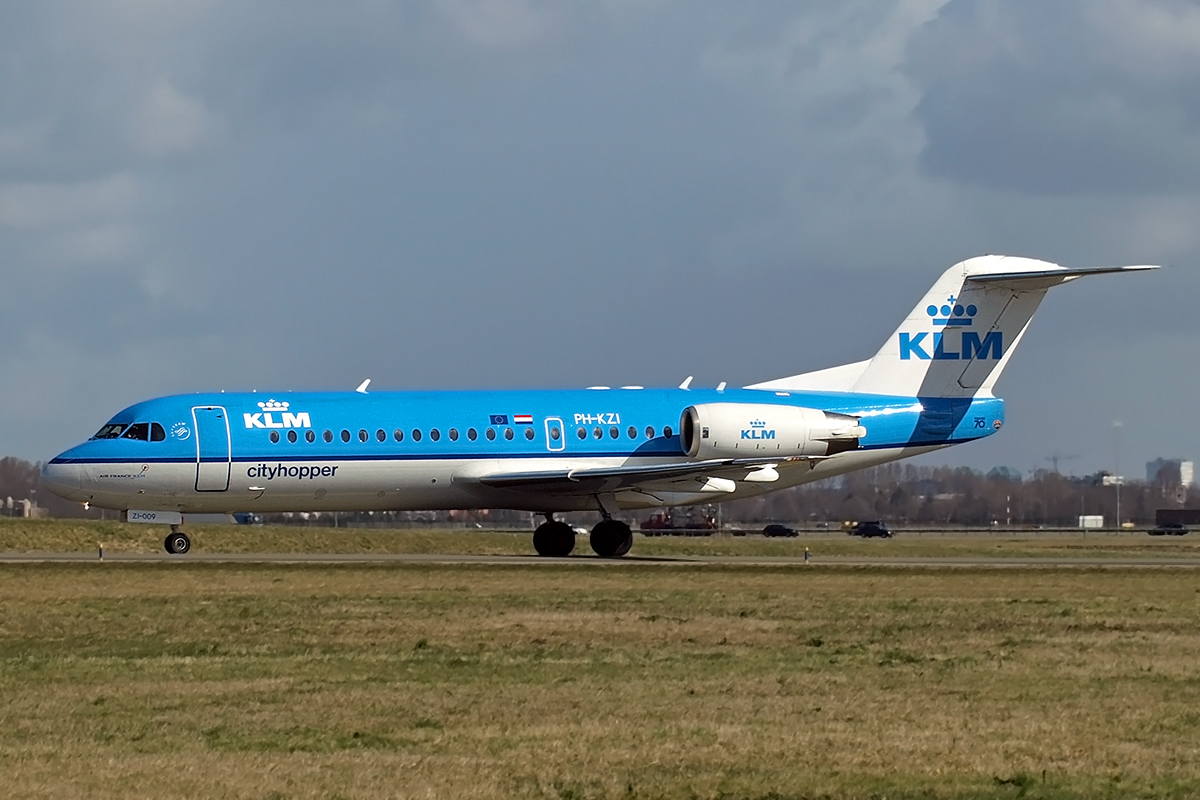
(611, 538)
(177, 542)
(556, 539)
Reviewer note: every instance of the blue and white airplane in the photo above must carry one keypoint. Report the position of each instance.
(600, 449)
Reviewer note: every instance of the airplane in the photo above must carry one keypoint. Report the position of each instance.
(600, 449)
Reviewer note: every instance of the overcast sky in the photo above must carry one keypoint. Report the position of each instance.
(203, 195)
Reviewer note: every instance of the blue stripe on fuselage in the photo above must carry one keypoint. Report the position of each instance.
(889, 421)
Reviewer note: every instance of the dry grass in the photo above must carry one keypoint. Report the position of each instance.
(274, 681)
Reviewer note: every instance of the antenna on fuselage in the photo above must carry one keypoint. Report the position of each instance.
(362, 387)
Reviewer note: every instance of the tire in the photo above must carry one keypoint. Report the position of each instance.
(177, 543)
(554, 539)
(609, 537)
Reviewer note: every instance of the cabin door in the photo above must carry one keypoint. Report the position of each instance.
(213, 460)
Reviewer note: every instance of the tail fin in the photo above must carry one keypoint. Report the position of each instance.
(958, 339)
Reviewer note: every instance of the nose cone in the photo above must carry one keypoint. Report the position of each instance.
(64, 477)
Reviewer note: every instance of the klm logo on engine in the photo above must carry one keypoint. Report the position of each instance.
(266, 417)
(939, 346)
(758, 430)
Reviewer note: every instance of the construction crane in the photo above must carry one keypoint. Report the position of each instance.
(1054, 458)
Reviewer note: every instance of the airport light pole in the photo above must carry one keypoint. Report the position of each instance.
(1117, 467)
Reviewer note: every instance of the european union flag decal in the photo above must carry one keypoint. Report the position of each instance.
(498, 419)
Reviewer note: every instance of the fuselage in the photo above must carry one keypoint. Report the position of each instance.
(294, 451)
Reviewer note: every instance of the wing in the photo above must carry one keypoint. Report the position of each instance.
(647, 477)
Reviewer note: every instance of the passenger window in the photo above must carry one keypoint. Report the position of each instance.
(555, 433)
(471, 434)
(632, 432)
(416, 434)
(398, 435)
(596, 432)
(157, 434)
(667, 431)
(327, 435)
(435, 434)
(292, 437)
(139, 431)
(362, 435)
(613, 432)
(649, 432)
(581, 433)
(508, 434)
(491, 434)
(529, 434)
(345, 435)
(454, 434)
(310, 437)
(381, 435)
(274, 437)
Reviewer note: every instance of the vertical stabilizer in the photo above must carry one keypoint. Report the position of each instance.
(958, 339)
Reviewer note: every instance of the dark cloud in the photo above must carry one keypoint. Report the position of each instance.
(1061, 98)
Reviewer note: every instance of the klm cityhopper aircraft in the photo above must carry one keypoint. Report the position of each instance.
(601, 449)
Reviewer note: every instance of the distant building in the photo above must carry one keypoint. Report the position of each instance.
(1005, 473)
(1170, 473)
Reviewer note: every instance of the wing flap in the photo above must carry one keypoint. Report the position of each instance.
(591, 480)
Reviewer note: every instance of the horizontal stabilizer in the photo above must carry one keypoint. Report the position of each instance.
(1044, 279)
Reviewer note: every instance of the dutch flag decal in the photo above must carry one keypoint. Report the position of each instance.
(522, 419)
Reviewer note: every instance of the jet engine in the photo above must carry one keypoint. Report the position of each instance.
(751, 430)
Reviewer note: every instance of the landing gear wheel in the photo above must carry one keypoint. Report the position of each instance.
(611, 538)
(554, 539)
(177, 543)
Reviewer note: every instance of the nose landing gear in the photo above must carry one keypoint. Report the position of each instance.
(177, 542)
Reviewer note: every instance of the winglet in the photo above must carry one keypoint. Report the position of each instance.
(686, 383)
(362, 387)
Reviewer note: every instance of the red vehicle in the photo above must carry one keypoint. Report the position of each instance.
(661, 523)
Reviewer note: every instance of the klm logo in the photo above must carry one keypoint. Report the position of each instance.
(266, 418)
(937, 346)
(758, 430)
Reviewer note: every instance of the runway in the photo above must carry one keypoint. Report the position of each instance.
(586, 561)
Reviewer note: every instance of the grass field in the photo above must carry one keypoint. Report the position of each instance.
(288, 681)
(66, 536)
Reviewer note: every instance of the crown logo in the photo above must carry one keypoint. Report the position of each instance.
(952, 313)
(757, 423)
(273, 405)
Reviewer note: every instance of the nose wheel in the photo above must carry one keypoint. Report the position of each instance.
(177, 542)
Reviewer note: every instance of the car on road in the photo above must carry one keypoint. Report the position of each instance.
(871, 529)
(775, 529)
(1169, 529)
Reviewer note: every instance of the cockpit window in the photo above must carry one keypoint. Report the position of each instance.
(139, 431)
(157, 434)
(110, 431)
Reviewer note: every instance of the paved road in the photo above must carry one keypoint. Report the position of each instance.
(595, 561)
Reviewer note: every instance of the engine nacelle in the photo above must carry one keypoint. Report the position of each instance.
(752, 430)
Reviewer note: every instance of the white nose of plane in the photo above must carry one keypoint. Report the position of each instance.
(63, 477)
